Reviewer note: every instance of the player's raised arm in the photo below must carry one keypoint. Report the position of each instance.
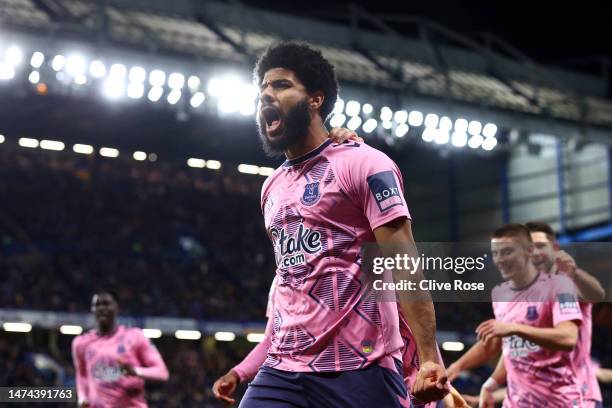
(80, 373)
(431, 383)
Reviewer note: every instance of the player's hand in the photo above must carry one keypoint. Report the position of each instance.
(127, 369)
(431, 383)
(486, 399)
(84, 404)
(341, 135)
(225, 386)
(452, 371)
(565, 264)
(493, 328)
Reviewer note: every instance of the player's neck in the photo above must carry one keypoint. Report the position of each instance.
(106, 330)
(317, 134)
(526, 279)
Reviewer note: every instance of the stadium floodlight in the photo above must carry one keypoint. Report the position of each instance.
(474, 128)
(400, 116)
(337, 120)
(247, 98)
(75, 65)
(370, 125)
(72, 330)
(387, 124)
(354, 123)
(256, 337)
(193, 82)
(80, 79)
(152, 157)
(152, 333)
(215, 87)
(109, 152)
(429, 134)
(52, 145)
(188, 334)
(227, 104)
(157, 77)
(461, 125)
(441, 136)
(34, 77)
(7, 71)
(489, 143)
(137, 74)
(113, 88)
(475, 141)
(489, 130)
(213, 164)
(353, 108)
(266, 171)
(338, 106)
(431, 120)
(401, 130)
(17, 327)
(248, 169)
(13, 55)
(83, 148)
(445, 123)
(225, 336)
(37, 59)
(453, 346)
(176, 80)
(58, 62)
(415, 118)
(174, 96)
(367, 108)
(135, 90)
(2, 139)
(197, 99)
(117, 72)
(196, 163)
(97, 69)
(139, 156)
(386, 114)
(155, 93)
(28, 142)
(459, 139)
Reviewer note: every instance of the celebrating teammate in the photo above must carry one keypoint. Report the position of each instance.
(112, 361)
(332, 343)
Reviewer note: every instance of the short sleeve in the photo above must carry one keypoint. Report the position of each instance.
(375, 184)
(565, 303)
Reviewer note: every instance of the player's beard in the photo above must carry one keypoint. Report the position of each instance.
(295, 125)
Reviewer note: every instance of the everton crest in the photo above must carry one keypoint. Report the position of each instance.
(532, 313)
(311, 193)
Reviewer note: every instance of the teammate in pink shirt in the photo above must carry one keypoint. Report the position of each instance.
(332, 343)
(537, 319)
(112, 361)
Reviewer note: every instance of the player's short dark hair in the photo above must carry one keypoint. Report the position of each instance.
(513, 230)
(308, 64)
(541, 226)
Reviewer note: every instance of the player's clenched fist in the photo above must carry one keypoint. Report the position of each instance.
(431, 383)
(225, 386)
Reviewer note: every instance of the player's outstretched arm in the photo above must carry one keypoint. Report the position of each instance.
(604, 375)
(476, 356)
(431, 383)
(562, 337)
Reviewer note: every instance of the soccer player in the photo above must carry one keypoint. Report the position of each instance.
(333, 344)
(536, 323)
(112, 361)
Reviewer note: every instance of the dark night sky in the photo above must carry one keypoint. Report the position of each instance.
(546, 31)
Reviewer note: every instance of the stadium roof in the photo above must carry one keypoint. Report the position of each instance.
(442, 65)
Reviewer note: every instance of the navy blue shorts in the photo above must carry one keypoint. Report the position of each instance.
(373, 386)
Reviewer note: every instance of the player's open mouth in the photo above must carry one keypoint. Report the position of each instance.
(272, 118)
